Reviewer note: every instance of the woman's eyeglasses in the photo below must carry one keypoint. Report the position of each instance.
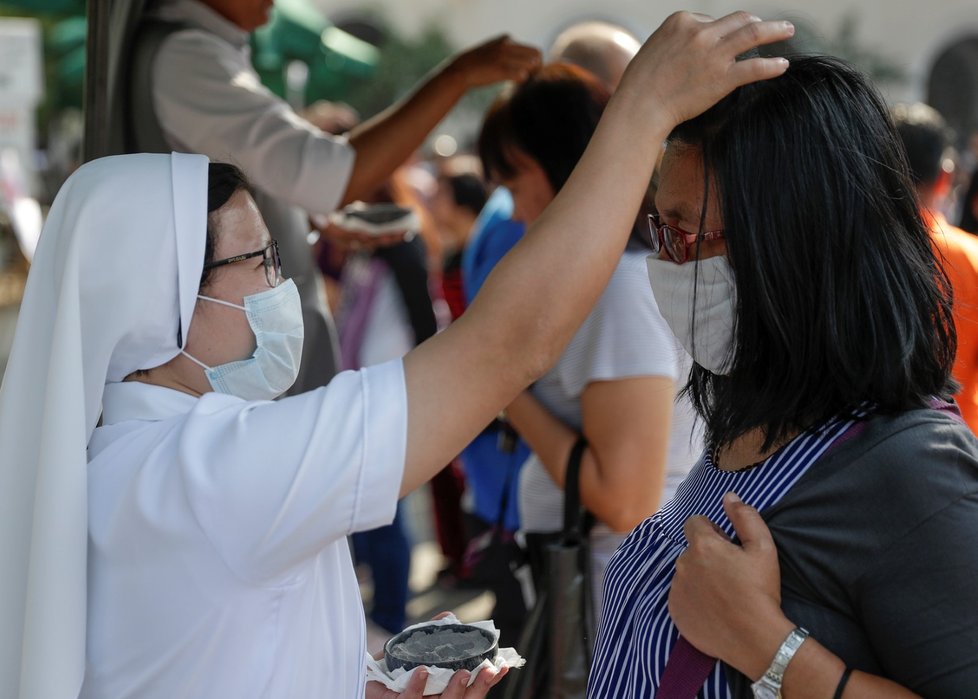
(270, 258)
(676, 241)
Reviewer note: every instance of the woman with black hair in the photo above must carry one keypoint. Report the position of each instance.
(615, 383)
(795, 267)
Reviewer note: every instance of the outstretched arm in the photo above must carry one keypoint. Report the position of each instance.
(384, 142)
(538, 295)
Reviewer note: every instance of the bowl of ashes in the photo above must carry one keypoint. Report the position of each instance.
(451, 646)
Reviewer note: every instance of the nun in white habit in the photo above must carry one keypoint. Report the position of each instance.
(166, 530)
(216, 556)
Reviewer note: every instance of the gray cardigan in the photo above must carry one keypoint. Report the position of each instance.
(878, 545)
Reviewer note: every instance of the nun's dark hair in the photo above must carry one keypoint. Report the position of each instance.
(840, 299)
(223, 180)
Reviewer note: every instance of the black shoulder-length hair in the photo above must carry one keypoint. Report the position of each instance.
(551, 118)
(840, 299)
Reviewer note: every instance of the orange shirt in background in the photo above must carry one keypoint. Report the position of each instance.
(959, 252)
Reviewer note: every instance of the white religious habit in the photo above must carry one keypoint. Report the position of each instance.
(198, 548)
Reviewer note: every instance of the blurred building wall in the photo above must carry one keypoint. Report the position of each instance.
(910, 35)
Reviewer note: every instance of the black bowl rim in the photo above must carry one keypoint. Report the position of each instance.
(398, 637)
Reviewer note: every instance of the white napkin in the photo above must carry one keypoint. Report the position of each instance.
(438, 677)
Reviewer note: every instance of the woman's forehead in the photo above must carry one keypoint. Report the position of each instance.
(680, 191)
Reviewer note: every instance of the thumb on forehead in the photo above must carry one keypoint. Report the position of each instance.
(747, 523)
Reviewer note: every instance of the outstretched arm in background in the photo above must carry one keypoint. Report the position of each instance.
(384, 142)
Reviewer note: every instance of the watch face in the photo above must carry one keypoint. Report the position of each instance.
(763, 690)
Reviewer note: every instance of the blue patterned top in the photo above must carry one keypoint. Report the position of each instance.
(636, 633)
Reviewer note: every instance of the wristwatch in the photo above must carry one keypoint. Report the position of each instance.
(769, 686)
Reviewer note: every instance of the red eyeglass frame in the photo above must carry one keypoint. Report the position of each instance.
(676, 235)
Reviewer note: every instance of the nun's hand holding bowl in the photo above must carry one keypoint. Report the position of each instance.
(457, 688)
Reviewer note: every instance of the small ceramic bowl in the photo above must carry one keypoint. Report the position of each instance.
(468, 657)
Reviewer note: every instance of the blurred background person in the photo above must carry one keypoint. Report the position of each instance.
(602, 48)
(493, 460)
(459, 198)
(966, 191)
(969, 205)
(928, 144)
(193, 89)
(617, 380)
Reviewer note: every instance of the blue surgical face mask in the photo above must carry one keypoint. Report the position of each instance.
(275, 316)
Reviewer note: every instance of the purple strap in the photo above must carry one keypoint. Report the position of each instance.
(685, 671)
(951, 409)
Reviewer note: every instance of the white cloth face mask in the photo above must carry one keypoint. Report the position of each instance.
(275, 316)
(711, 322)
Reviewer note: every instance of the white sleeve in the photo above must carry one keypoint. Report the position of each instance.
(624, 336)
(209, 100)
(272, 483)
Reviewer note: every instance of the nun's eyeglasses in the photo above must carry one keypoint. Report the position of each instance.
(270, 258)
(676, 241)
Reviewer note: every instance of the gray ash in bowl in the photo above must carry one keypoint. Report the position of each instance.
(439, 647)
(453, 646)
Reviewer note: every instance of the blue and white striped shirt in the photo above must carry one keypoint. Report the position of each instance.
(636, 634)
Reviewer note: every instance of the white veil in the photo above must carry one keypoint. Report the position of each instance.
(112, 288)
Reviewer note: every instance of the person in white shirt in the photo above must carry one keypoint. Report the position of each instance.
(617, 382)
(193, 545)
(192, 63)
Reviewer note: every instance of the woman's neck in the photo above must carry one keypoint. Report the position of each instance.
(747, 450)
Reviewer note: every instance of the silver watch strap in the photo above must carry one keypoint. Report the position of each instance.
(774, 675)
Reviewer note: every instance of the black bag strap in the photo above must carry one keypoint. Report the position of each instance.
(504, 499)
(577, 526)
(577, 520)
(409, 267)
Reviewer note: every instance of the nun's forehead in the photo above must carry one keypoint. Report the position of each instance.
(238, 226)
